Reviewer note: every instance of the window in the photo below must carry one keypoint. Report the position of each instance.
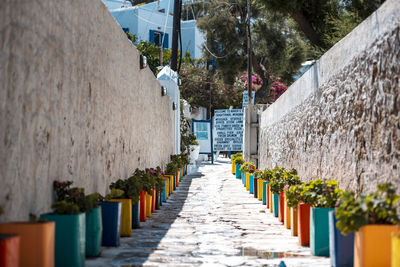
(156, 37)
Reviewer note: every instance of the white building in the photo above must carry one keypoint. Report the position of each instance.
(153, 22)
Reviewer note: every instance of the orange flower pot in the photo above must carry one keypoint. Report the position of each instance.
(304, 224)
(372, 245)
(177, 177)
(281, 215)
(9, 250)
(36, 242)
(268, 194)
(293, 221)
(287, 215)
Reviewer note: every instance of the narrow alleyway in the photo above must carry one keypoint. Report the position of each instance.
(211, 220)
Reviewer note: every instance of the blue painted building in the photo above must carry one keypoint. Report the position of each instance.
(153, 22)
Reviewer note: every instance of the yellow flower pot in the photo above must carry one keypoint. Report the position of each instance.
(396, 249)
(233, 168)
(260, 188)
(167, 187)
(270, 200)
(126, 215)
(171, 184)
(148, 205)
(287, 217)
(247, 181)
(372, 245)
(293, 221)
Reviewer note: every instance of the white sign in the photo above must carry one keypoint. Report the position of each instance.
(202, 131)
(246, 98)
(228, 125)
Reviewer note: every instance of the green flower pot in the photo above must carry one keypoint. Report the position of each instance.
(94, 232)
(319, 231)
(275, 204)
(70, 238)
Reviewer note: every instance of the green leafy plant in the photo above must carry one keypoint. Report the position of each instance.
(248, 167)
(292, 194)
(321, 193)
(376, 208)
(73, 200)
(115, 194)
(239, 160)
(171, 168)
(235, 156)
(277, 181)
(258, 174)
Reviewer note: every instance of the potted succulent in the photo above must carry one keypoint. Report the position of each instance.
(373, 218)
(266, 177)
(325, 195)
(70, 219)
(303, 215)
(238, 163)
(185, 162)
(178, 162)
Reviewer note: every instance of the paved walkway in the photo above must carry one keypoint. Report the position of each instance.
(211, 220)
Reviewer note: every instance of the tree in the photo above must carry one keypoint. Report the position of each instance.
(278, 49)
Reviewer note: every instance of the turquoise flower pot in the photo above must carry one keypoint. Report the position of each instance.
(70, 238)
(94, 232)
(275, 204)
(264, 195)
(238, 171)
(251, 179)
(319, 231)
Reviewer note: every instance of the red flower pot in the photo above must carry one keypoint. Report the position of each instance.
(142, 206)
(304, 224)
(153, 201)
(281, 207)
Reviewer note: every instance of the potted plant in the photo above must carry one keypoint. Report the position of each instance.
(111, 219)
(233, 160)
(266, 177)
(292, 196)
(178, 163)
(238, 163)
(134, 187)
(291, 179)
(327, 193)
(303, 215)
(185, 162)
(147, 182)
(258, 174)
(276, 185)
(70, 219)
(170, 171)
(373, 218)
(248, 168)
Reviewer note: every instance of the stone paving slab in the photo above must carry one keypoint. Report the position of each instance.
(210, 220)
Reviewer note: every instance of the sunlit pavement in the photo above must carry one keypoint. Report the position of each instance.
(210, 220)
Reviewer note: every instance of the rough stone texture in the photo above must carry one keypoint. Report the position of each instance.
(74, 104)
(348, 127)
(211, 220)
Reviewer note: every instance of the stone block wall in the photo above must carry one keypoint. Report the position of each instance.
(74, 104)
(341, 119)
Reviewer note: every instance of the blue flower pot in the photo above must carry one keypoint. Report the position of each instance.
(174, 182)
(136, 215)
(238, 171)
(264, 194)
(111, 216)
(319, 231)
(341, 248)
(94, 232)
(164, 193)
(251, 179)
(275, 204)
(243, 178)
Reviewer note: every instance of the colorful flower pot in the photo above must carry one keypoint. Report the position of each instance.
(372, 245)
(175, 184)
(153, 201)
(136, 215)
(251, 186)
(142, 206)
(243, 178)
(303, 224)
(70, 238)
(165, 191)
(111, 220)
(341, 248)
(271, 205)
(148, 204)
(281, 215)
(158, 196)
(233, 168)
(94, 232)
(260, 189)
(319, 231)
(255, 187)
(181, 173)
(9, 250)
(294, 220)
(177, 177)
(264, 193)
(238, 171)
(396, 249)
(287, 216)
(36, 242)
(247, 181)
(275, 204)
(126, 215)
